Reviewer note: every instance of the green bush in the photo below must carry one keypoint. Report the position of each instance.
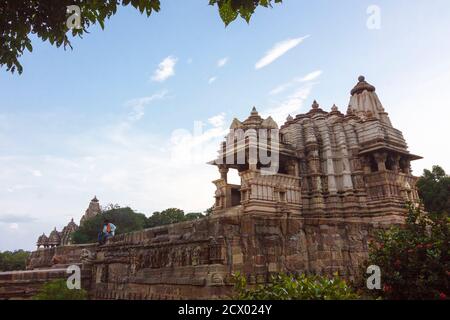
(13, 260)
(414, 258)
(169, 216)
(57, 290)
(299, 287)
(125, 219)
(434, 190)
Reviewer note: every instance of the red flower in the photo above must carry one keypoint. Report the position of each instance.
(387, 288)
(442, 296)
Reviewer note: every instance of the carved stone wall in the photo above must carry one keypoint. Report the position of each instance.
(56, 256)
(195, 260)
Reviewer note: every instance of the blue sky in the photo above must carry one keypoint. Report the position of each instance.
(102, 120)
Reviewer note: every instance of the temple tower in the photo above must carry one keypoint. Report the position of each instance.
(91, 211)
(327, 163)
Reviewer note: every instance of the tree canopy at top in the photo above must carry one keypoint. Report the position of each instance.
(47, 19)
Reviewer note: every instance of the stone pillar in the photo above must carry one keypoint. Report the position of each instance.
(223, 173)
(366, 164)
(346, 170)
(331, 174)
(380, 158)
(396, 166)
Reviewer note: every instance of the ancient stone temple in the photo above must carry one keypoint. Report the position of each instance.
(330, 164)
(311, 194)
(92, 210)
(63, 238)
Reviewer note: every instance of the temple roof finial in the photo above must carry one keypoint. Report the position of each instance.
(315, 105)
(362, 86)
(254, 111)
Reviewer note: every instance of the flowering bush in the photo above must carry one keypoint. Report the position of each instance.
(414, 258)
(302, 287)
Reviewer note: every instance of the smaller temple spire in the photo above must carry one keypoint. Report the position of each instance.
(254, 111)
(289, 118)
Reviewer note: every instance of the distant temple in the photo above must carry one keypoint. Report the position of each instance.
(64, 237)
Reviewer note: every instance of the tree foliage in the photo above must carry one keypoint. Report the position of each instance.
(46, 19)
(13, 260)
(57, 290)
(169, 216)
(229, 10)
(434, 190)
(125, 219)
(414, 259)
(299, 287)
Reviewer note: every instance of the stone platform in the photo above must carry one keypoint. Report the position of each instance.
(196, 259)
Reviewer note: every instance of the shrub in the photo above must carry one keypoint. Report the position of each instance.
(301, 287)
(13, 260)
(434, 190)
(57, 290)
(169, 216)
(414, 258)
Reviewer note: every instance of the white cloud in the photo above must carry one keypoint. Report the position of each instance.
(212, 79)
(311, 76)
(19, 187)
(36, 173)
(138, 105)
(278, 50)
(15, 218)
(218, 120)
(283, 87)
(165, 69)
(14, 226)
(222, 62)
(291, 105)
